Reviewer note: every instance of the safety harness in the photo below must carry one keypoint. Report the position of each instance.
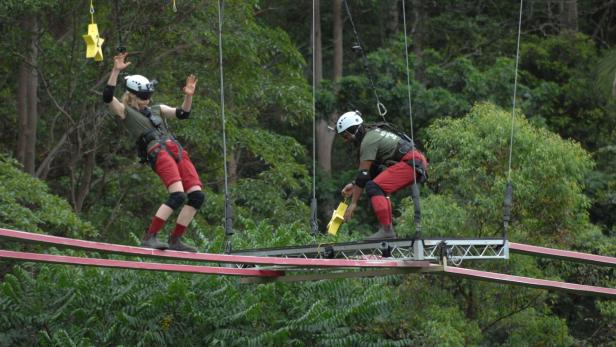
(161, 137)
(405, 145)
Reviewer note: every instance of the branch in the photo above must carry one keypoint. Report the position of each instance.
(529, 304)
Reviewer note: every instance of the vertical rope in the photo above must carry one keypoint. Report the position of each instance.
(91, 12)
(313, 203)
(515, 87)
(415, 186)
(382, 110)
(508, 201)
(408, 73)
(228, 207)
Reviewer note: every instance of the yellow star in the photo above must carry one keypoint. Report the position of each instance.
(94, 42)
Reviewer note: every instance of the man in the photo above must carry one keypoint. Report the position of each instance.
(158, 147)
(380, 146)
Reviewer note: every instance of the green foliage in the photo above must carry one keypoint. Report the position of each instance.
(469, 160)
(532, 329)
(461, 54)
(28, 205)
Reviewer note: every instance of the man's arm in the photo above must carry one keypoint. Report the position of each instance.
(113, 103)
(357, 188)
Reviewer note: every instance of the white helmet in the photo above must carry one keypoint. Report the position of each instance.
(348, 120)
(140, 86)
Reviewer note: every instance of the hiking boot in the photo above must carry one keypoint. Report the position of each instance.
(382, 233)
(150, 241)
(176, 245)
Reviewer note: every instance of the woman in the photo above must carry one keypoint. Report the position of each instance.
(160, 149)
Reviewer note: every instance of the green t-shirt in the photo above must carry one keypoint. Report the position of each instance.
(378, 145)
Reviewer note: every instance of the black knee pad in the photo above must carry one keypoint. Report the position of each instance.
(196, 199)
(373, 189)
(175, 200)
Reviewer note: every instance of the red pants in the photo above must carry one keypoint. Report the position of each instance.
(171, 171)
(394, 178)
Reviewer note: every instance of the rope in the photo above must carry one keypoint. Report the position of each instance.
(120, 48)
(313, 203)
(228, 207)
(91, 12)
(415, 186)
(379, 105)
(408, 77)
(508, 201)
(515, 87)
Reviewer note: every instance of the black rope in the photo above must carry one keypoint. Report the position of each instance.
(120, 48)
(507, 209)
(359, 48)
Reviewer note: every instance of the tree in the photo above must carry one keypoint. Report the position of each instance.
(469, 168)
(27, 98)
(325, 137)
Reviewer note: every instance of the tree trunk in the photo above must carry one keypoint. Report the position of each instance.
(393, 14)
(317, 44)
(417, 32)
(85, 181)
(325, 137)
(22, 112)
(337, 13)
(232, 166)
(614, 87)
(325, 141)
(27, 101)
(569, 16)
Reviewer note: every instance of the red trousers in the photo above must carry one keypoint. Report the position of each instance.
(394, 178)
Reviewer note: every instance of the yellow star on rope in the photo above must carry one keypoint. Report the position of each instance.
(94, 42)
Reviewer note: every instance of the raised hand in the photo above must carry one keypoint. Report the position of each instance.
(191, 85)
(119, 61)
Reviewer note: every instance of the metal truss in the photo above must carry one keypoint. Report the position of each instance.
(433, 250)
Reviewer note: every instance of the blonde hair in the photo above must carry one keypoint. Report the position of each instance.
(130, 99)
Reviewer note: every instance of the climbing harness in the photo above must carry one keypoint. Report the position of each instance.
(382, 110)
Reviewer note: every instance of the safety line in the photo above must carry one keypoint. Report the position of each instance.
(382, 110)
(314, 226)
(515, 88)
(408, 74)
(136, 265)
(228, 206)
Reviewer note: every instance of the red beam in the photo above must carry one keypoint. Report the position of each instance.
(560, 254)
(207, 257)
(136, 265)
(530, 282)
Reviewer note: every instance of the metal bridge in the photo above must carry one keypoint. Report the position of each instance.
(307, 263)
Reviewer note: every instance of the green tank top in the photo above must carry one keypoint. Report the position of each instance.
(138, 124)
(378, 145)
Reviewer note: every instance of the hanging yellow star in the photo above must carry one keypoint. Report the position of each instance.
(94, 42)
